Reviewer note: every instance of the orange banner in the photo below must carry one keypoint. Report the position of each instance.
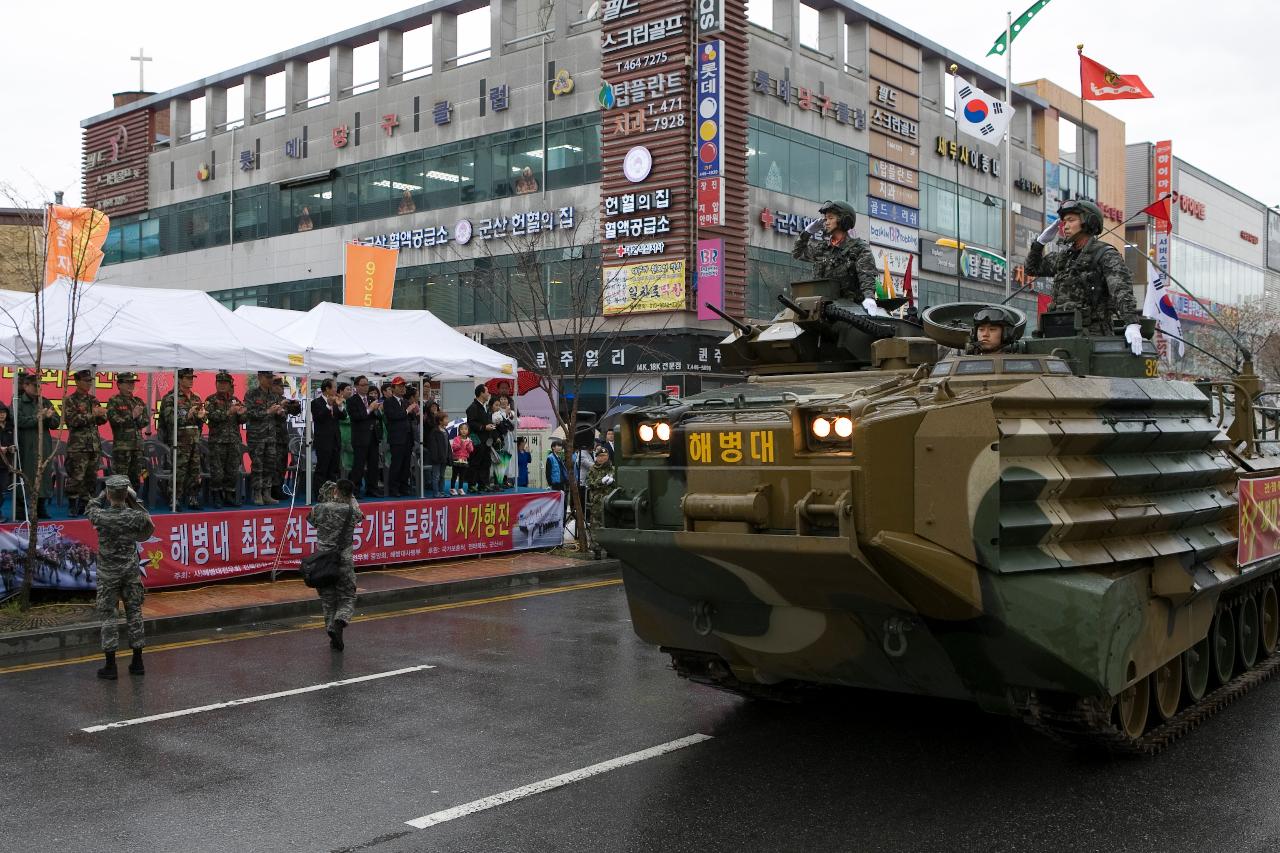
(74, 247)
(370, 276)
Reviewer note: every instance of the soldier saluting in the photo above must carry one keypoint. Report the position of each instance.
(225, 414)
(1089, 275)
(127, 415)
(836, 254)
(121, 523)
(82, 415)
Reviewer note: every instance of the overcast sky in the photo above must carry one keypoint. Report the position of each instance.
(1209, 66)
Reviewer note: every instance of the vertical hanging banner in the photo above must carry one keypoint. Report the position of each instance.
(73, 250)
(710, 277)
(1164, 181)
(709, 103)
(369, 276)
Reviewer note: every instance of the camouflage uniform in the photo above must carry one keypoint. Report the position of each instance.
(334, 520)
(597, 488)
(1092, 279)
(263, 439)
(126, 445)
(119, 529)
(224, 443)
(187, 475)
(29, 447)
(80, 412)
(851, 264)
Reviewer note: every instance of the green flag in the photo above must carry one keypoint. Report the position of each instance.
(1018, 24)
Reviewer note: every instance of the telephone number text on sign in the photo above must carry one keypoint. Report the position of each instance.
(731, 447)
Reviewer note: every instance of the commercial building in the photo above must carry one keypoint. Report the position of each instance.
(21, 251)
(487, 142)
(1223, 246)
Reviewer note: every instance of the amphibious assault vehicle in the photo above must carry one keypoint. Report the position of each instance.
(1052, 531)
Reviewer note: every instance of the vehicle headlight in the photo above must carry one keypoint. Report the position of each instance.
(646, 432)
(821, 427)
(664, 431)
(844, 426)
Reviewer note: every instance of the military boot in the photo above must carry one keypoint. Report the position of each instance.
(335, 635)
(277, 493)
(215, 499)
(42, 511)
(135, 666)
(258, 498)
(230, 498)
(73, 507)
(108, 669)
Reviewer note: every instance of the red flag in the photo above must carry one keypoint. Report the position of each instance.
(1100, 83)
(907, 289)
(1161, 210)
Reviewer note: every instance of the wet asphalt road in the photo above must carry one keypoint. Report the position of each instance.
(526, 689)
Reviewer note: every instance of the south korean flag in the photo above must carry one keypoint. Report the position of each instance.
(978, 114)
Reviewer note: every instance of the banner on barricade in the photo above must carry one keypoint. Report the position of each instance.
(201, 547)
(1259, 534)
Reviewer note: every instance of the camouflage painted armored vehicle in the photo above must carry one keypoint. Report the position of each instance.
(1050, 531)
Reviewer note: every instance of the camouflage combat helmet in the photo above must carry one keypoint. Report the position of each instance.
(842, 209)
(1090, 214)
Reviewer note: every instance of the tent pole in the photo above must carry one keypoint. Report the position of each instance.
(422, 449)
(13, 509)
(173, 452)
(306, 443)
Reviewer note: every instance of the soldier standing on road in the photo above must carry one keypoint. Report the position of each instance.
(836, 254)
(121, 523)
(1089, 275)
(190, 419)
(335, 518)
(226, 414)
(32, 442)
(82, 414)
(127, 415)
(600, 480)
(262, 408)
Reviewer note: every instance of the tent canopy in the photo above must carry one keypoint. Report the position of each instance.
(141, 328)
(353, 339)
(271, 319)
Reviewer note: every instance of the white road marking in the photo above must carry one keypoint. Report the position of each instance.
(251, 699)
(554, 782)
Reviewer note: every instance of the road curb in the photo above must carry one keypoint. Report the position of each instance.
(71, 637)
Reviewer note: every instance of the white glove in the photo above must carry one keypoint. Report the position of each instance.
(607, 480)
(1133, 335)
(814, 228)
(1048, 235)
(869, 305)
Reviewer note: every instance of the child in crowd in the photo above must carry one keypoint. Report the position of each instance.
(523, 458)
(439, 453)
(461, 448)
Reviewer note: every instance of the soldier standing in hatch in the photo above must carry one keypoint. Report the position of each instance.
(127, 415)
(226, 414)
(190, 415)
(121, 522)
(262, 408)
(836, 254)
(1089, 275)
(990, 327)
(82, 414)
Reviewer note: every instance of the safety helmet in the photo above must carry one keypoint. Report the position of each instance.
(995, 316)
(842, 209)
(1090, 214)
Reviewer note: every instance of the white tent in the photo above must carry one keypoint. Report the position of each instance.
(141, 328)
(271, 319)
(349, 338)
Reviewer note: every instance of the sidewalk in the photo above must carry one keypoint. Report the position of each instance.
(255, 599)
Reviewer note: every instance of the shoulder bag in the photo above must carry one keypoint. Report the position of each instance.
(323, 568)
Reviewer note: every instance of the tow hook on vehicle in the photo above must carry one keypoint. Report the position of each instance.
(702, 613)
(895, 636)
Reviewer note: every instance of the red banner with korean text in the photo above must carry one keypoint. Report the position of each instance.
(201, 547)
(1259, 520)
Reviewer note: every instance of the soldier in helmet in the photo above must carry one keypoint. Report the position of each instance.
(186, 408)
(226, 414)
(836, 254)
(1088, 275)
(127, 415)
(82, 414)
(991, 330)
(121, 522)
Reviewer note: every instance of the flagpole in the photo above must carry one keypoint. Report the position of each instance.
(1083, 160)
(955, 115)
(1008, 155)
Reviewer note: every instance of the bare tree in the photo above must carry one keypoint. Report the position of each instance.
(1255, 323)
(549, 312)
(42, 340)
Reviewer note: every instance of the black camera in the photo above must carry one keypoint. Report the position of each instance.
(292, 407)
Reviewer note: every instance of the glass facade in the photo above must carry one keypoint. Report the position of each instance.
(1213, 276)
(980, 222)
(788, 161)
(472, 170)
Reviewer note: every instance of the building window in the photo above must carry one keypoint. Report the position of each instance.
(760, 13)
(803, 165)
(770, 273)
(980, 214)
(809, 27)
(473, 35)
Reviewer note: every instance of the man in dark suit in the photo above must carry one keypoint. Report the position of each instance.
(480, 422)
(400, 419)
(326, 411)
(363, 412)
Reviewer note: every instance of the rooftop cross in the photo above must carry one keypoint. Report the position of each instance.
(140, 58)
